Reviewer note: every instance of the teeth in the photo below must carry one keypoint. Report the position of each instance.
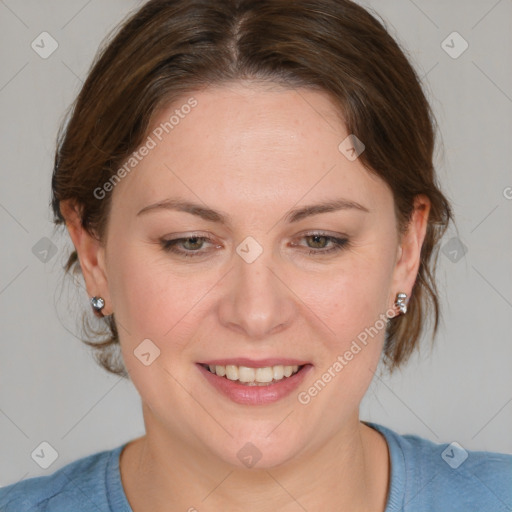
(278, 372)
(264, 374)
(246, 374)
(254, 376)
(231, 372)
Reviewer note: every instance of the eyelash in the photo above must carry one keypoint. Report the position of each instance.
(338, 245)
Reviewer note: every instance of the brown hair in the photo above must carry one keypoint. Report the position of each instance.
(172, 47)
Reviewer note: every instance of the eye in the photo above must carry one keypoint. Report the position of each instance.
(192, 245)
(318, 242)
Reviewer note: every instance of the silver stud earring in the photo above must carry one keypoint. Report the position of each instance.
(400, 302)
(97, 303)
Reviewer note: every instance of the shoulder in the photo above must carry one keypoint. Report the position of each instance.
(78, 486)
(433, 476)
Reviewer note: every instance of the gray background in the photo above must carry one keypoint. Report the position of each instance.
(50, 388)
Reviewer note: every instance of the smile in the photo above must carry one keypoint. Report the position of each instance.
(254, 376)
(254, 385)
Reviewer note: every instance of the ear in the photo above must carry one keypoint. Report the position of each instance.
(409, 249)
(91, 255)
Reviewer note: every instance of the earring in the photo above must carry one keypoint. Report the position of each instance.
(97, 304)
(400, 302)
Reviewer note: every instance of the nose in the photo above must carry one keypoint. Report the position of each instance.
(257, 301)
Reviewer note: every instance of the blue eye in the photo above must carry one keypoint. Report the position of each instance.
(191, 246)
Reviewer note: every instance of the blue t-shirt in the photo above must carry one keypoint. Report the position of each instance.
(425, 477)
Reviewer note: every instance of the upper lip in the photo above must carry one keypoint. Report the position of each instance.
(255, 363)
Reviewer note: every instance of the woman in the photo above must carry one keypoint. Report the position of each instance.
(250, 191)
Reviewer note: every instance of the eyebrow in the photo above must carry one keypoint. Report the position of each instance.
(292, 216)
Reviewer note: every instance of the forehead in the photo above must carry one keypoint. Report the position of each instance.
(249, 144)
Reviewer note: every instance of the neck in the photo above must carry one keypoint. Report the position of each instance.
(348, 472)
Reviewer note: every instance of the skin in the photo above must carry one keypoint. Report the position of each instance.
(254, 152)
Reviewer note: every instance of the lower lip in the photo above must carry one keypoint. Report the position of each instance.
(255, 395)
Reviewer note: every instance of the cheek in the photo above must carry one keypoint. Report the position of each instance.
(154, 300)
(352, 307)
(351, 297)
(149, 300)
(352, 304)
(152, 303)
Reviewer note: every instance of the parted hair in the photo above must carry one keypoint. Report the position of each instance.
(168, 48)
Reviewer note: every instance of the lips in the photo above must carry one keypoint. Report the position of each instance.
(254, 372)
(241, 382)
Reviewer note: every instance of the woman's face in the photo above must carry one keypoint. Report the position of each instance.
(255, 279)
